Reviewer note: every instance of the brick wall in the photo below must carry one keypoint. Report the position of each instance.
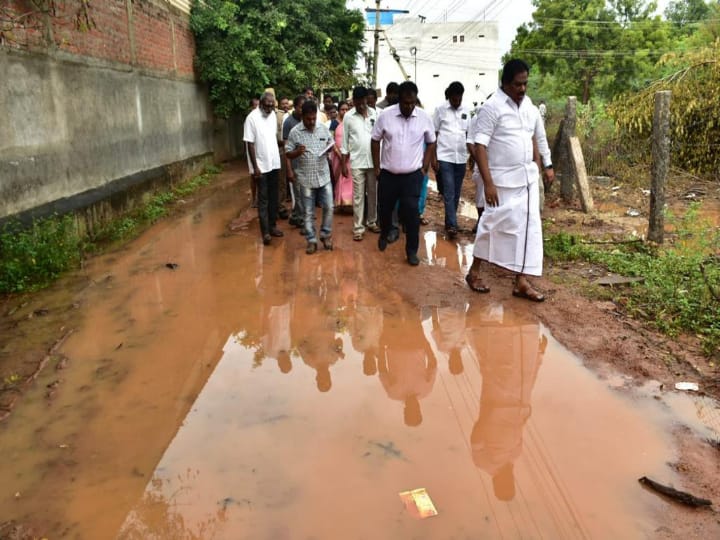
(155, 36)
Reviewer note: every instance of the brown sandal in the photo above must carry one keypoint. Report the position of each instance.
(529, 294)
(472, 283)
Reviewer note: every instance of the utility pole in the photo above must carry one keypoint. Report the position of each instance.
(376, 50)
(376, 44)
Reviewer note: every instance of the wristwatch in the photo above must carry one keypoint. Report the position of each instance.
(548, 166)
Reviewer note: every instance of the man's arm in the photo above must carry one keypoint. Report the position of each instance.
(481, 158)
(429, 158)
(375, 150)
(251, 156)
(540, 144)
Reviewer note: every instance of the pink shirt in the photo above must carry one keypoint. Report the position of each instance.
(403, 139)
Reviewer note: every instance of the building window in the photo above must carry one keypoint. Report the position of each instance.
(454, 39)
(462, 39)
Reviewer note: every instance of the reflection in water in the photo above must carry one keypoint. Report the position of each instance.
(509, 358)
(407, 364)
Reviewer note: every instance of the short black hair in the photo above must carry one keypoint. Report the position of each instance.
(407, 88)
(300, 98)
(372, 92)
(455, 89)
(392, 88)
(512, 68)
(309, 107)
(359, 92)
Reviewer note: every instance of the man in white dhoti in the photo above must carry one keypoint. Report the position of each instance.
(509, 232)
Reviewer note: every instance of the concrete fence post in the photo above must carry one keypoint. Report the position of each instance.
(567, 169)
(660, 165)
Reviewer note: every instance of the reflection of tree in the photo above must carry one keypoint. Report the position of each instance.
(509, 354)
(158, 516)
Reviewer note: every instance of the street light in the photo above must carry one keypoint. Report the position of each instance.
(413, 51)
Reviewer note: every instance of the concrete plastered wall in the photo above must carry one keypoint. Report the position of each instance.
(71, 127)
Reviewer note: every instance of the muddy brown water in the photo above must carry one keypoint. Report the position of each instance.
(255, 392)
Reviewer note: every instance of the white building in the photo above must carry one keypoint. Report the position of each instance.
(435, 54)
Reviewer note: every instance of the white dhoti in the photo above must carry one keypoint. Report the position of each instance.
(510, 234)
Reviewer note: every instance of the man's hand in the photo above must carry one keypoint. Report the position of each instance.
(549, 176)
(256, 174)
(377, 172)
(491, 195)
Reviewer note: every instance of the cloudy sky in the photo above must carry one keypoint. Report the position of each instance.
(509, 13)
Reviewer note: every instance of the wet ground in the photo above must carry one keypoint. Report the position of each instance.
(219, 388)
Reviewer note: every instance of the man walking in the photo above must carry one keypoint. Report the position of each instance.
(260, 134)
(451, 120)
(297, 218)
(403, 129)
(509, 232)
(357, 127)
(309, 143)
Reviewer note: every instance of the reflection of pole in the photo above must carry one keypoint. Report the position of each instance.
(376, 50)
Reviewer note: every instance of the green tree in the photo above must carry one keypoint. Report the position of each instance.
(685, 13)
(244, 46)
(594, 47)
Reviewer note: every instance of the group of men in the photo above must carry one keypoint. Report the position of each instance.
(389, 155)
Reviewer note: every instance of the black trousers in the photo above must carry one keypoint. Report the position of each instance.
(405, 189)
(268, 201)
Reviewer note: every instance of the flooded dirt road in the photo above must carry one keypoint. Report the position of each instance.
(255, 392)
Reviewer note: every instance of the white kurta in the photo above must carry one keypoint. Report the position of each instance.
(510, 234)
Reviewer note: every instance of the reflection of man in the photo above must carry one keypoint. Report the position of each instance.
(509, 232)
(407, 365)
(448, 332)
(509, 355)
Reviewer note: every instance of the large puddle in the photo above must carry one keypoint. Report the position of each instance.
(258, 393)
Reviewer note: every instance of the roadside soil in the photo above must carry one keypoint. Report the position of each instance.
(33, 326)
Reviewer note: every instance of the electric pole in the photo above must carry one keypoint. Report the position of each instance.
(376, 50)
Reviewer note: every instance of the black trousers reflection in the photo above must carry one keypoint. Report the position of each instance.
(268, 201)
(404, 188)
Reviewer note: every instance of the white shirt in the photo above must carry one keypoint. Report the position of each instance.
(261, 130)
(507, 130)
(356, 137)
(403, 138)
(451, 126)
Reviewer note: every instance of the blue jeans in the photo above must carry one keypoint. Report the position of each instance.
(452, 178)
(324, 194)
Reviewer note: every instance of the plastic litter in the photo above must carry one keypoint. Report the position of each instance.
(418, 503)
(690, 386)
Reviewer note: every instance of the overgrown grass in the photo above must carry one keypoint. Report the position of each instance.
(33, 257)
(680, 291)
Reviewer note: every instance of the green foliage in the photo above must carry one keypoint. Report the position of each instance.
(694, 106)
(684, 13)
(681, 287)
(31, 258)
(244, 46)
(593, 47)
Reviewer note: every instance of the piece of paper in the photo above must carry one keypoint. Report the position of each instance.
(329, 147)
(418, 503)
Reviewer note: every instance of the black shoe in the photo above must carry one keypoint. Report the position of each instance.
(327, 243)
(266, 239)
(412, 259)
(382, 242)
(452, 232)
(311, 248)
(283, 213)
(393, 236)
(277, 233)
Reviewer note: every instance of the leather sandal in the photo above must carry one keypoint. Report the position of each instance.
(529, 294)
(472, 283)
